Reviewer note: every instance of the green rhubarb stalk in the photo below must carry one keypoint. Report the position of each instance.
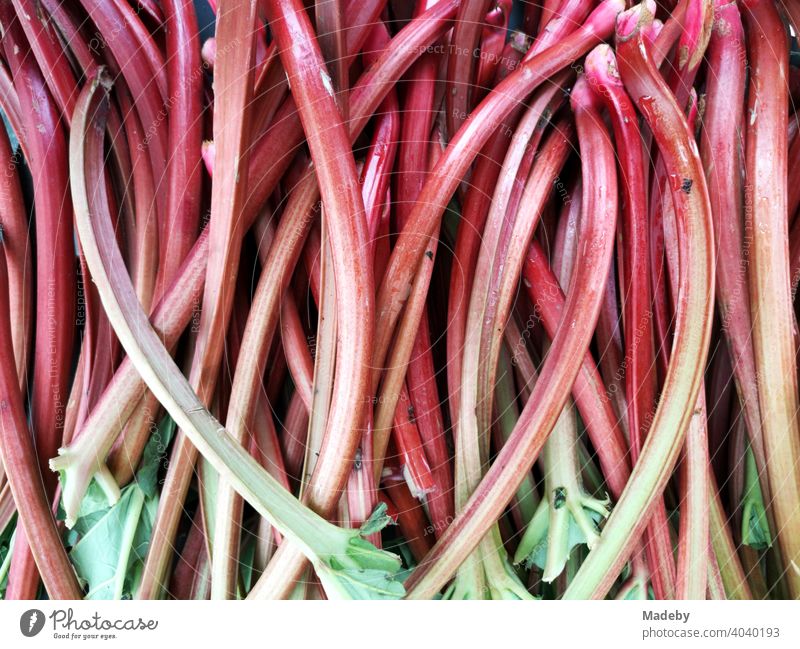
(348, 565)
(507, 414)
(476, 576)
(568, 516)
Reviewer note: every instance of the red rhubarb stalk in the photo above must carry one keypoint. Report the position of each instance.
(770, 289)
(17, 252)
(233, 89)
(346, 227)
(640, 375)
(694, 309)
(46, 151)
(22, 469)
(183, 173)
(461, 62)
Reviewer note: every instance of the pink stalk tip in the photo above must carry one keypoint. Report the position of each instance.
(631, 21)
(601, 68)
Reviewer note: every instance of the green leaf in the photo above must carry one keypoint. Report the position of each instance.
(109, 544)
(93, 507)
(102, 555)
(755, 527)
(368, 556)
(377, 520)
(247, 557)
(358, 570)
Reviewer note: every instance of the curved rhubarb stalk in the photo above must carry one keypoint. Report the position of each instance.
(694, 309)
(512, 219)
(568, 17)
(490, 302)
(392, 386)
(234, 72)
(560, 368)
(128, 19)
(722, 155)
(770, 284)
(144, 260)
(640, 374)
(346, 227)
(412, 171)
(375, 179)
(473, 218)
(148, 96)
(348, 566)
(49, 55)
(22, 468)
(46, 150)
(493, 40)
